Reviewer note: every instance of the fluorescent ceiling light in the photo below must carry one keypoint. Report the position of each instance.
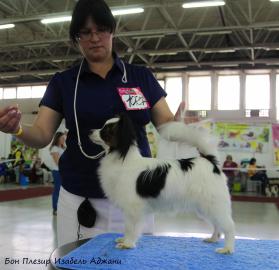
(220, 51)
(7, 26)
(162, 53)
(173, 67)
(274, 0)
(45, 73)
(9, 76)
(195, 4)
(57, 20)
(226, 65)
(118, 12)
(224, 32)
(148, 36)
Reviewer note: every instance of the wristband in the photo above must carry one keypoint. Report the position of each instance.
(19, 132)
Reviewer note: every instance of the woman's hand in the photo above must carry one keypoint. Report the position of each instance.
(10, 119)
(181, 115)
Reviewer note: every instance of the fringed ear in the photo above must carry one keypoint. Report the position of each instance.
(126, 134)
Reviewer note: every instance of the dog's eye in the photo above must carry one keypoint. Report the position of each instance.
(107, 132)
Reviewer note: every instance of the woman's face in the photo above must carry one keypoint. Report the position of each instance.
(95, 42)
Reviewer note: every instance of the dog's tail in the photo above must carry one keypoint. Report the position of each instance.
(198, 137)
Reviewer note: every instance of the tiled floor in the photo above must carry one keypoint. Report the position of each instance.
(27, 228)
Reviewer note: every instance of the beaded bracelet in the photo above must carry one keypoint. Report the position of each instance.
(19, 132)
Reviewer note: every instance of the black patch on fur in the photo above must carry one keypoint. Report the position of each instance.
(107, 132)
(186, 164)
(212, 159)
(151, 182)
(124, 135)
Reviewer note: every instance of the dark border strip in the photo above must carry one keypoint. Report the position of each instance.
(20, 194)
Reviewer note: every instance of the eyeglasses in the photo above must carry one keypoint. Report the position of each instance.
(87, 34)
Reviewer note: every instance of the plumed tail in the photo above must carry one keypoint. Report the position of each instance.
(214, 162)
(198, 137)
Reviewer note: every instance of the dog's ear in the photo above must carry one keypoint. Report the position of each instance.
(126, 134)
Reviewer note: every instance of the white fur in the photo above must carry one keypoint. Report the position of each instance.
(194, 136)
(199, 190)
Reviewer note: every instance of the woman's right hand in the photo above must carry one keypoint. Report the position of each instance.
(10, 119)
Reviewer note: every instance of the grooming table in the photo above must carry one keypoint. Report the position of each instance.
(165, 253)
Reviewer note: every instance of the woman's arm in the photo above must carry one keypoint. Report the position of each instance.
(161, 113)
(39, 134)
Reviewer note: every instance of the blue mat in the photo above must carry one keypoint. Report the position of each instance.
(171, 253)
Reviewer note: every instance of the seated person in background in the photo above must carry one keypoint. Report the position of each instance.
(228, 169)
(259, 175)
(3, 170)
(39, 174)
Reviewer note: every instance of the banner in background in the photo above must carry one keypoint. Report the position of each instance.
(24, 152)
(242, 137)
(275, 137)
(152, 136)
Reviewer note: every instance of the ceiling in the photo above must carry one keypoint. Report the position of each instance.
(166, 37)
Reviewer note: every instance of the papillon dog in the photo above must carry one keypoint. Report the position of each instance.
(275, 190)
(140, 185)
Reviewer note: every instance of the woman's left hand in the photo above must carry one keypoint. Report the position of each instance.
(181, 116)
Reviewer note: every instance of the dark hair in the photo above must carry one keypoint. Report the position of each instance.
(97, 10)
(229, 157)
(56, 138)
(252, 161)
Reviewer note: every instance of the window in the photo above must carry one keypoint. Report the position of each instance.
(9, 93)
(257, 93)
(24, 92)
(38, 91)
(1, 93)
(162, 83)
(277, 96)
(229, 92)
(199, 93)
(174, 91)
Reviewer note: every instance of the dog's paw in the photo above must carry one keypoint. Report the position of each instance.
(210, 240)
(123, 245)
(224, 250)
(119, 240)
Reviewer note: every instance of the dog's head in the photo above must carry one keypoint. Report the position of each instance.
(117, 134)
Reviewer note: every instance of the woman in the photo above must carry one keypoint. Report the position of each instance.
(56, 150)
(258, 175)
(86, 96)
(229, 168)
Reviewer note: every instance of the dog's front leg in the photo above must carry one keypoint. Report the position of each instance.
(133, 229)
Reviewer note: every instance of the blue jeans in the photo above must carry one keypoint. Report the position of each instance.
(55, 193)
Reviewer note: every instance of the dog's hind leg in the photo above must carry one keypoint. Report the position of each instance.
(133, 229)
(215, 236)
(226, 224)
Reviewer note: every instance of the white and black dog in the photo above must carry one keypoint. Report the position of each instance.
(140, 185)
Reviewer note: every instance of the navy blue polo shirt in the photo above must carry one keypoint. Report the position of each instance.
(97, 101)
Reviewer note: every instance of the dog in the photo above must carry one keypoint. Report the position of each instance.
(272, 191)
(275, 190)
(140, 185)
(268, 191)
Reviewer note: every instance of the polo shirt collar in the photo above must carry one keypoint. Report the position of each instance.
(117, 62)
